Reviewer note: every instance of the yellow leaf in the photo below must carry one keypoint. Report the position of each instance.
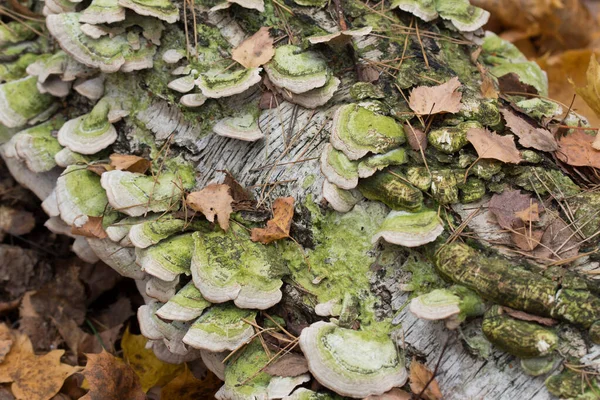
(187, 387)
(591, 92)
(33, 377)
(278, 227)
(214, 199)
(151, 370)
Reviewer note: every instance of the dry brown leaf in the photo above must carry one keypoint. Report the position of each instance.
(92, 228)
(522, 315)
(417, 139)
(558, 242)
(290, 364)
(99, 168)
(507, 204)
(525, 238)
(487, 87)
(444, 98)
(131, 163)
(530, 214)
(6, 341)
(33, 377)
(394, 394)
(511, 83)
(110, 378)
(419, 377)
(529, 135)
(213, 200)
(565, 70)
(279, 226)
(187, 387)
(256, 50)
(491, 145)
(16, 222)
(576, 149)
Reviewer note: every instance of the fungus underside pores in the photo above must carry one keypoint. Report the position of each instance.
(386, 198)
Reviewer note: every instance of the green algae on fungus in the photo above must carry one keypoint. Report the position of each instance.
(352, 363)
(390, 187)
(542, 181)
(89, 133)
(37, 147)
(229, 266)
(538, 366)
(357, 131)
(242, 127)
(148, 233)
(186, 305)
(296, 70)
(169, 258)
(455, 304)
(370, 165)
(217, 83)
(568, 384)
(444, 186)
(17, 31)
(21, 102)
(136, 194)
(221, 328)
(520, 338)
(451, 139)
(161, 9)
(103, 11)
(461, 13)
(338, 169)
(17, 69)
(79, 195)
(410, 229)
(472, 190)
(340, 200)
(587, 212)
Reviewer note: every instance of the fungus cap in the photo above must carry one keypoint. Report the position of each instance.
(119, 258)
(92, 89)
(221, 328)
(82, 249)
(410, 229)
(150, 232)
(351, 363)
(172, 56)
(193, 99)
(358, 131)
(103, 12)
(217, 83)
(167, 259)
(243, 127)
(341, 38)
(435, 305)
(338, 169)
(339, 199)
(316, 97)
(370, 165)
(162, 9)
(182, 85)
(37, 147)
(89, 133)
(186, 305)
(161, 290)
(21, 102)
(296, 70)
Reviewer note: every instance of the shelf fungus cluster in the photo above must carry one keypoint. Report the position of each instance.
(474, 201)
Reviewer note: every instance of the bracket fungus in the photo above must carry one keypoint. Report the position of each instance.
(228, 266)
(148, 233)
(90, 133)
(296, 70)
(220, 328)
(217, 83)
(242, 127)
(340, 199)
(410, 229)
(167, 259)
(21, 102)
(461, 13)
(352, 363)
(161, 9)
(338, 169)
(358, 131)
(186, 305)
(37, 147)
(103, 12)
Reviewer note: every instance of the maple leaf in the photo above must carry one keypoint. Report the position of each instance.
(213, 200)
(529, 136)
(416, 138)
(507, 204)
(33, 377)
(187, 387)
(425, 100)
(151, 371)
(256, 50)
(576, 149)
(279, 226)
(92, 228)
(491, 145)
(111, 378)
(131, 163)
(421, 376)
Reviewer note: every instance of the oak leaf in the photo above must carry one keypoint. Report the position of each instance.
(420, 377)
(92, 228)
(111, 378)
(529, 136)
(279, 226)
(426, 100)
(131, 163)
(491, 145)
(187, 387)
(33, 377)
(213, 200)
(576, 149)
(256, 50)
(151, 371)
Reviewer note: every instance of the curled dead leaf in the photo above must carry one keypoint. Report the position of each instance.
(213, 200)
(444, 98)
(522, 315)
(279, 226)
(92, 228)
(529, 135)
(256, 50)
(99, 168)
(111, 378)
(416, 138)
